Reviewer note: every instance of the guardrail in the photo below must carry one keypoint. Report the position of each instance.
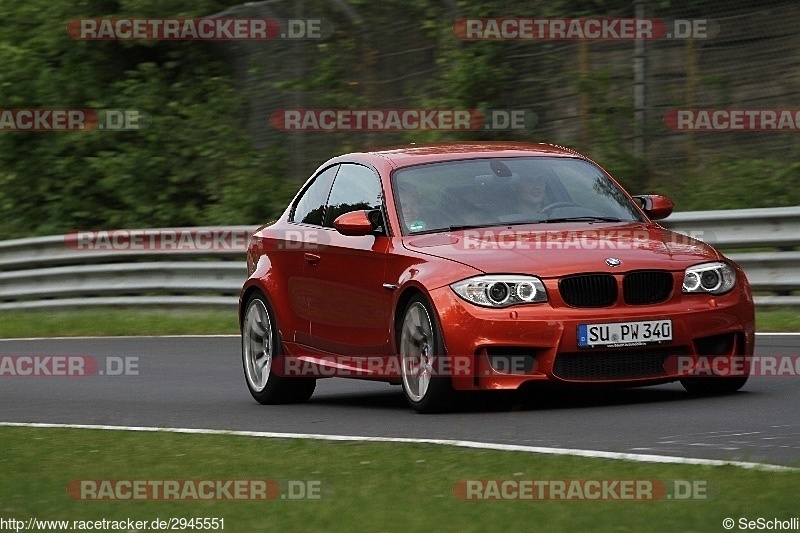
(59, 272)
(761, 241)
(774, 227)
(50, 272)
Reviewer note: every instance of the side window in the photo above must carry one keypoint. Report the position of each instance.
(310, 209)
(356, 187)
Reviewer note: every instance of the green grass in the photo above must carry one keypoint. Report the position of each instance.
(365, 486)
(123, 321)
(117, 321)
(776, 319)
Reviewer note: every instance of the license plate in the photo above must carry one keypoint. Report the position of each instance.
(620, 334)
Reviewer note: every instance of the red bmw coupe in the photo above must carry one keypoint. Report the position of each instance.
(484, 266)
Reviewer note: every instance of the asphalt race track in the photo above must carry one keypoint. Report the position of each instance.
(197, 382)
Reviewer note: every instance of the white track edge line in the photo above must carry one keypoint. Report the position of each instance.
(596, 454)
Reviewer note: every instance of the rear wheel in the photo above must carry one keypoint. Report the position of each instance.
(421, 346)
(261, 345)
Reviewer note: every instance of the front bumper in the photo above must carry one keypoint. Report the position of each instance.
(512, 346)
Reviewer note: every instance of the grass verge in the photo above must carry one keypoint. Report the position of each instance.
(365, 486)
(117, 321)
(777, 319)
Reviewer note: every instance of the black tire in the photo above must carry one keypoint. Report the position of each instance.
(709, 386)
(260, 333)
(420, 336)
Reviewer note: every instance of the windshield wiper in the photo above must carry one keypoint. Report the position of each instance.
(475, 226)
(583, 219)
(535, 221)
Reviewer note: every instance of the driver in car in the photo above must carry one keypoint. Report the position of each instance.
(531, 197)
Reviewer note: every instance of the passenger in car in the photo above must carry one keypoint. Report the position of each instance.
(410, 207)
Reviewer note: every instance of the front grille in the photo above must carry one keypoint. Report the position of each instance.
(647, 287)
(589, 290)
(615, 365)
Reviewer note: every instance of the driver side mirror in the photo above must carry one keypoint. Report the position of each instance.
(655, 206)
(355, 223)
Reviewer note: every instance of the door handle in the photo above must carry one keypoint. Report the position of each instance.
(312, 258)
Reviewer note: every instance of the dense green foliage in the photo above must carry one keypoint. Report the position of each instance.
(191, 165)
(196, 164)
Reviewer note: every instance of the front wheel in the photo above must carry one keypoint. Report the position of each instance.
(421, 346)
(261, 346)
(708, 386)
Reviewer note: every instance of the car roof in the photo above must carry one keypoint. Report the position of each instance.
(415, 154)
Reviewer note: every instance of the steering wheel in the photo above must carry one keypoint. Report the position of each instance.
(554, 205)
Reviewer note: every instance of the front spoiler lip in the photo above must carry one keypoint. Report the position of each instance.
(490, 379)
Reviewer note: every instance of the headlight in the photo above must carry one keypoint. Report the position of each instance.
(710, 278)
(501, 290)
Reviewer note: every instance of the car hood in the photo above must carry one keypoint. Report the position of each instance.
(559, 249)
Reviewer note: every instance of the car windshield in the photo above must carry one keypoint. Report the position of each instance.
(506, 191)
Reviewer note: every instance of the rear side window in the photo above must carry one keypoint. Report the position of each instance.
(310, 208)
(356, 188)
